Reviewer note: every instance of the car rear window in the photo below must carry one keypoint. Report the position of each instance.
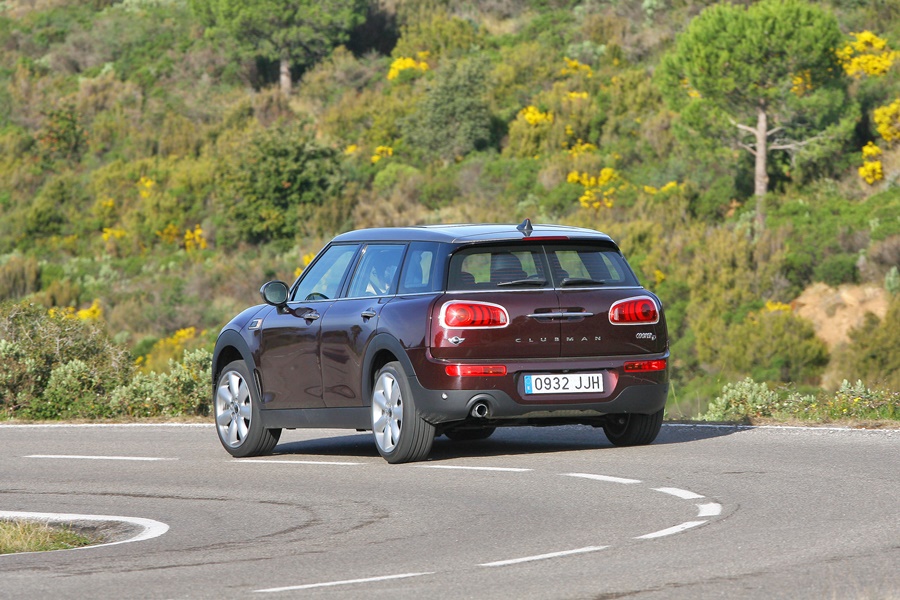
(538, 265)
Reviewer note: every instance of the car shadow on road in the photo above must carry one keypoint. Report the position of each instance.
(504, 442)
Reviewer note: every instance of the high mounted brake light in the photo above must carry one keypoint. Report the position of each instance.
(640, 310)
(466, 314)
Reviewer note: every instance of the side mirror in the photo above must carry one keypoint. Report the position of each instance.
(274, 293)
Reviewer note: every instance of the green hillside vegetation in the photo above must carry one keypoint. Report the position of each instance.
(161, 159)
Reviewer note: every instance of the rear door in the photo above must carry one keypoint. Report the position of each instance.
(496, 296)
(592, 279)
(353, 320)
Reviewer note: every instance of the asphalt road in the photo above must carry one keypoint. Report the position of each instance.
(705, 512)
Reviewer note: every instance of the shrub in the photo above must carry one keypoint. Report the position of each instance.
(837, 269)
(741, 400)
(39, 349)
(184, 390)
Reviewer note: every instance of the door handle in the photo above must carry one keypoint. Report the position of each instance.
(368, 313)
(312, 316)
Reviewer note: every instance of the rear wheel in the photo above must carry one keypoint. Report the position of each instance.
(237, 414)
(468, 435)
(400, 434)
(633, 429)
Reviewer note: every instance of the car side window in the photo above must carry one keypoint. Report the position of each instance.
(377, 272)
(419, 269)
(322, 280)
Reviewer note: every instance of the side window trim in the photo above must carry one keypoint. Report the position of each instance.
(351, 266)
(357, 262)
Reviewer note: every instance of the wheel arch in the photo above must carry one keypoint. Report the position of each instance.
(383, 348)
(231, 346)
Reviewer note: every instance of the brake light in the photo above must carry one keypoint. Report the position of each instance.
(640, 310)
(475, 370)
(642, 366)
(473, 315)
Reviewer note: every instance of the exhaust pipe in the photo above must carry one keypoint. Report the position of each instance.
(480, 410)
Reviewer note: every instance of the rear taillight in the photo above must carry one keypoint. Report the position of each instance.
(640, 310)
(475, 370)
(641, 366)
(473, 315)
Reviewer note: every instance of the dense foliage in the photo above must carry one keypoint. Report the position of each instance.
(155, 170)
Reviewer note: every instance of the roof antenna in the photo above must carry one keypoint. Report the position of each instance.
(525, 227)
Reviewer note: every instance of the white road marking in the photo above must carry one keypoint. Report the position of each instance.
(709, 510)
(151, 530)
(603, 478)
(311, 586)
(462, 468)
(514, 561)
(81, 457)
(671, 530)
(683, 494)
(296, 462)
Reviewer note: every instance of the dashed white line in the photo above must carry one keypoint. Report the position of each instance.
(151, 530)
(671, 530)
(311, 586)
(297, 462)
(709, 510)
(515, 561)
(683, 494)
(82, 457)
(603, 478)
(463, 468)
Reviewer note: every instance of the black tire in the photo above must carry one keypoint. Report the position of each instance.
(236, 413)
(632, 429)
(400, 434)
(470, 435)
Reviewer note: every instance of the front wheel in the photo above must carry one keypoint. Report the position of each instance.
(633, 429)
(400, 434)
(237, 414)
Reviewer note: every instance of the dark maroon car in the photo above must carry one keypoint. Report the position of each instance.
(416, 332)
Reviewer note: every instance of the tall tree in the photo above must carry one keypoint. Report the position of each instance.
(769, 69)
(292, 32)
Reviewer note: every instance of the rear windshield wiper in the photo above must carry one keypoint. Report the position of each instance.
(581, 281)
(523, 282)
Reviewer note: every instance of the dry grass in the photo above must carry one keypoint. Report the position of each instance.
(28, 536)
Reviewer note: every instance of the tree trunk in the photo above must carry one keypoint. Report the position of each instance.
(285, 76)
(760, 177)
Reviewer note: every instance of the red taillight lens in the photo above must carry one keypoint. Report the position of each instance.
(634, 311)
(475, 370)
(470, 315)
(640, 366)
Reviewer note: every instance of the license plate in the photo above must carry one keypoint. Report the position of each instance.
(569, 383)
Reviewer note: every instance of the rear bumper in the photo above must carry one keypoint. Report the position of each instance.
(446, 406)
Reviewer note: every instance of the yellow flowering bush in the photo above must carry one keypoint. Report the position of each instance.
(867, 54)
(113, 233)
(600, 190)
(870, 150)
(92, 313)
(801, 83)
(887, 121)
(871, 171)
(580, 147)
(170, 235)
(382, 152)
(406, 64)
(351, 150)
(194, 240)
(575, 67)
(534, 117)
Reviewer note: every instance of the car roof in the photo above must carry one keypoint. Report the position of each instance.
(469, 232)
